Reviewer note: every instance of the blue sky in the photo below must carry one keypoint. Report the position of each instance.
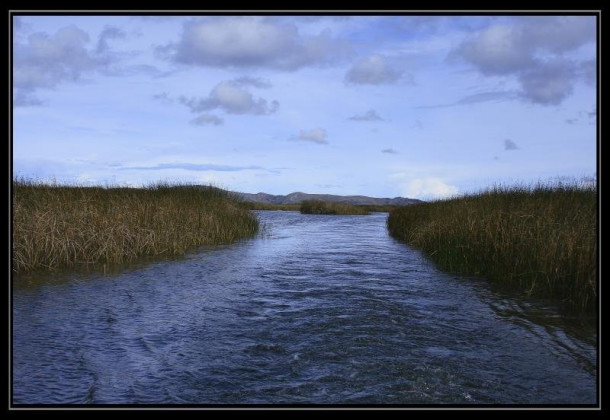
(385, 106)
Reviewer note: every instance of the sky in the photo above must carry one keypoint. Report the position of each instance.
(413, 106)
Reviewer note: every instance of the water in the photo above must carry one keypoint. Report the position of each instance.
(318, 310)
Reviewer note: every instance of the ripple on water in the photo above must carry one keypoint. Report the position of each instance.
(321, 309)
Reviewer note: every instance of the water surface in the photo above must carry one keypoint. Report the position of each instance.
(317, 310)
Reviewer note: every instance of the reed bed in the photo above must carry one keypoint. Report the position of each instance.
(323, 207)
(255, 205)
(59, 226)
(542, 239)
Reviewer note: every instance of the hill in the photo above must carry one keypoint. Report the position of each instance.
(298, 197)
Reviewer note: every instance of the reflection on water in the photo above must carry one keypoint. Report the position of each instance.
(318, 309)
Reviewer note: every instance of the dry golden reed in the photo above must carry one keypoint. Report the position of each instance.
(543, 239)
(60, 226)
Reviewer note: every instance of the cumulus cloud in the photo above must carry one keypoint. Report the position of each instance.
(370, 115)
(251, 42)
(390, 151)
(533, 49)
(316, 135)
(373, 70)
(428, 188)
(232, 98)
(549, 83)
(207, 119)
(43, 61)
(498, 50)
(510, 145)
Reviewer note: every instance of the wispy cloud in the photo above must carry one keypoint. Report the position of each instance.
(390, 151)
(370, 115)
(492, 96)
(207, 119)
(316, 135)
(193, 167)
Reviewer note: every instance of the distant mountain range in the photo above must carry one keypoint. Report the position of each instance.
(297, 197)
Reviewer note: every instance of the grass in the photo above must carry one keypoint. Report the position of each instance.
(542, 239)
(59, 226)
(322, 207)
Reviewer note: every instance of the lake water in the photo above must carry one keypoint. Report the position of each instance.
(316, 310)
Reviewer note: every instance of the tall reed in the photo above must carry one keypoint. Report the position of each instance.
(323, 207)
(60, 226)
(543, 239)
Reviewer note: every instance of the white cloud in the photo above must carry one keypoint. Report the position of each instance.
(498, 50)
(370, 115)
(373, 70)
(533, 49)
(316, 135)
(233, 99)
(428, 188)
(251, 42)
(43, 61)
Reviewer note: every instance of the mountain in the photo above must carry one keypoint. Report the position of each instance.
(297, 197)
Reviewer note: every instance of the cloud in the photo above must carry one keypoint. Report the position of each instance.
(43, 61)
(549, 83)
(588, 71)
(255, 82)
(510, 145)
(163, 97)
(492, 96)
(193, 167)
(231, 98)
(25, 98)
(316, 135)
(249, 42)
(498, 50)
(533, 49)
(428, 188)
(109, 32)
(207, 119)
(390, 151)
(373, 70)
(370, 115)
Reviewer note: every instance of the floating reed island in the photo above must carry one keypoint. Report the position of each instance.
(542, 239)
(59, 226)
